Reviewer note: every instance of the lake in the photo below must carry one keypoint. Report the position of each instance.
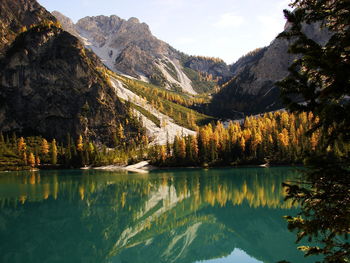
(186, 215)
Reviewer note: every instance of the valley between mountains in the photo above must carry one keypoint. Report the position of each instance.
(107, 83)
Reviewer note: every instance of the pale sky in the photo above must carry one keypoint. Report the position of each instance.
(226, 29)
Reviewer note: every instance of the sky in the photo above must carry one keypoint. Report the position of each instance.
(227, 29)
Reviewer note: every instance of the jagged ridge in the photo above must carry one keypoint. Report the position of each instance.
(128, 47)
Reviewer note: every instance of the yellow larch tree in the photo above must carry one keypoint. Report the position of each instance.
(182, 148)
(80, 143)
(194, 146)
(31, 160)
(53, 152)
(120, 132)
(163, 153)
(45, 148)
(283, 137)
(242, 143)
(314, 140)
(21, 146)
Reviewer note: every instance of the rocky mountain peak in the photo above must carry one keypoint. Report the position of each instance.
(134, 20)
(112, 25)
(130, 48)
(66, 23)
(100, 24)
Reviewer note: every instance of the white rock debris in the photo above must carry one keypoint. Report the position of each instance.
(160, 135)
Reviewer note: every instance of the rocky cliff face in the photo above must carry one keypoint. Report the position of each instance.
(115, 40)
(252, 89)
(16, 16)
(67, 24)
(128, 47)
(51, 85)
(213, 66)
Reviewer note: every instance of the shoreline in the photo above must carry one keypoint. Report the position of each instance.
(144, 167)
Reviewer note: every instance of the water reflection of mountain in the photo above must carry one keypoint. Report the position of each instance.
(182, 216)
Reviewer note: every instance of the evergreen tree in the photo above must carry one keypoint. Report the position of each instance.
(321, 78)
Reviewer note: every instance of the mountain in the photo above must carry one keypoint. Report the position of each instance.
(129, 47)
(16, 16)
(252, 89)
(50, 84)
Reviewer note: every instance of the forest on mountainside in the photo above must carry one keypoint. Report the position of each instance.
(272, 138)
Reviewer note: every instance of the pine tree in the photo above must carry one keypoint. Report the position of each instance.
(321, 77)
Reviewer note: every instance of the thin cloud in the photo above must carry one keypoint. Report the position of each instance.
(228, 20)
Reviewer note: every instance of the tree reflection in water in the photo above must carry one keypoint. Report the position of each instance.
(166, 216)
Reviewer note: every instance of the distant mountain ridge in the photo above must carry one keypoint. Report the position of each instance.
(51, 84)
(253, 89)
(248, 85)
(128, 47)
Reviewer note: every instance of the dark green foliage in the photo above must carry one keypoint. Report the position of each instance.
(324, 196)
(130, 148)
(321, 78)
(146, 113)
(199, 84)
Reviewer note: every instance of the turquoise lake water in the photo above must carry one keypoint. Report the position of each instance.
(188, 215)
